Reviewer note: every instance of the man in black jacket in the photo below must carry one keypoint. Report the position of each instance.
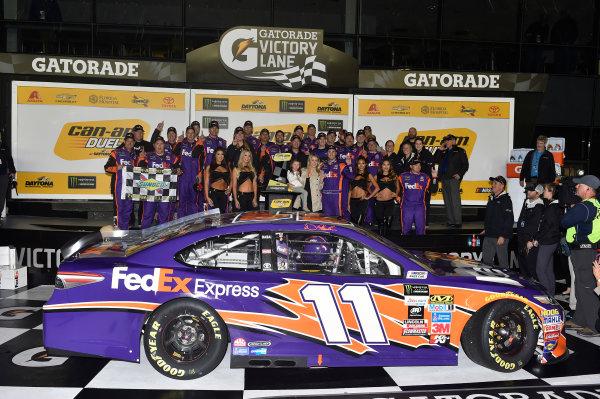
(527, 227)
(538, 166)
(453, 164)
(7, 170)
(498, 224)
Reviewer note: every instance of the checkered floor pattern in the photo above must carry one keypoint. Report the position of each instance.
(26, 371)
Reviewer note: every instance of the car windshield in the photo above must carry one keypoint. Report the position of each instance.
(133, 241)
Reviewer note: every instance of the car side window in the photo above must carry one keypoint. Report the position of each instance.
(231, 251)
(328, 254)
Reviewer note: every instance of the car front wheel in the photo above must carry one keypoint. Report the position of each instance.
(185, 339)
(502, 336)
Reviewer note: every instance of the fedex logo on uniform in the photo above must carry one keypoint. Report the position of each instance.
(415, 186)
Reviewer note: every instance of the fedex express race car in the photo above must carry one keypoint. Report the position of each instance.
(290, 290)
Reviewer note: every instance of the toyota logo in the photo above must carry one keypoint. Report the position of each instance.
(494, 109)
(168, 100)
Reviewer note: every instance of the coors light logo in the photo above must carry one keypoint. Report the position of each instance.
(286, 56)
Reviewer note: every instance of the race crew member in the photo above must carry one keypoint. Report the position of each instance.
(171, 136)
(374, 159)
(296, 150)
(120, 157)
(335, 184)
(212, 142)
(279, 147)
(139, 144)
(582, 222)
(309, 143)
(191, 156)
(235, 149)
(349, 150)
(159, 159)
(341, 139)
(331, 138)
(264, 162)
(361, 140)
(321, 149)
(498, 225)
(196, 126)
(413, 185)
(248, 131)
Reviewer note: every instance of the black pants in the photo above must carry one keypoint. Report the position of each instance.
(245, 200)
(358, 210)
(527, 260)
(219, 199)
(3, 190)
(383, 211)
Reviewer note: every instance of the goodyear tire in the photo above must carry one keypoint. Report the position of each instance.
(502, 336)
(185, 339)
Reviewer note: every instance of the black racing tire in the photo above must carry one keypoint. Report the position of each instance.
(501, 336)
(185, 339)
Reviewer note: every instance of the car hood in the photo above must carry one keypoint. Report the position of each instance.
(453, 266)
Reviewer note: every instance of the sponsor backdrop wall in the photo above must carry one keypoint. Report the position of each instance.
(483, 127)
(65, 132)
(271, 110)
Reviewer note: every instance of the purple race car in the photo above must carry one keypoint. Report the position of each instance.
(290, 290)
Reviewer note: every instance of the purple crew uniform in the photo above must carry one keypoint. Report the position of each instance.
(275, 148)
(335, 187)
(166, 210)
(191, 156)
(413, 186)
(308, 144)
(121, 207)
(254, 142)
(374, 159)
(353, 151)
(321, 153)
(210, 145)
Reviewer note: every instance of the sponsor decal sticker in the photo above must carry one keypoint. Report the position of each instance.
(259, 343)
(549, 312)
(415, 300)
(416, 274)
(215, 104)
(326, 124)
(140, 101)
(281, 203)
(42, 181)
(291, 105)
(441, 299)
(437, 317)
(240, 351)
(552, 319)
(551, 335)
(416, 289)
(239, 342)
(440, 328)
(439, 339)
(549, 346)
(440, 308)
(258, 351)
(416, 312)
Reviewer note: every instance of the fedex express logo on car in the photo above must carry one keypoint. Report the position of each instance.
(163, 280)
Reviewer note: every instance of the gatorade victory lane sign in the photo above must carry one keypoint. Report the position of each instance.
(290, 57)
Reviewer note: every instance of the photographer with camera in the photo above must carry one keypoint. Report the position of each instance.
(454, 164)
(7, 170)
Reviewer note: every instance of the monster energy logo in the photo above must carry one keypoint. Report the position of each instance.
(416, 289)
(223, 121)
(85, 182)
(291, 106)
(326, 124)
(219, 104)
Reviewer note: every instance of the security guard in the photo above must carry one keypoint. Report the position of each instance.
(582, 222)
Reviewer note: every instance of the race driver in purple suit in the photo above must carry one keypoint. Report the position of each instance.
(191, 155)
(212, 142)
(374, 159)
(118, 158)
(413, 186)
(349, 150)
(335, 184)
(159, 159)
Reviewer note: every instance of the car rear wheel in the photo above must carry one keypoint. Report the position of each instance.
(185, 339)
(502, 336)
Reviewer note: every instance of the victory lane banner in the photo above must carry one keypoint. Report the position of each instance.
(63, 133)
(152, 185)
(483, 128)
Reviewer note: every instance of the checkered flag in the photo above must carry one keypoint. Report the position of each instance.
(296, 77)
(154, 185)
